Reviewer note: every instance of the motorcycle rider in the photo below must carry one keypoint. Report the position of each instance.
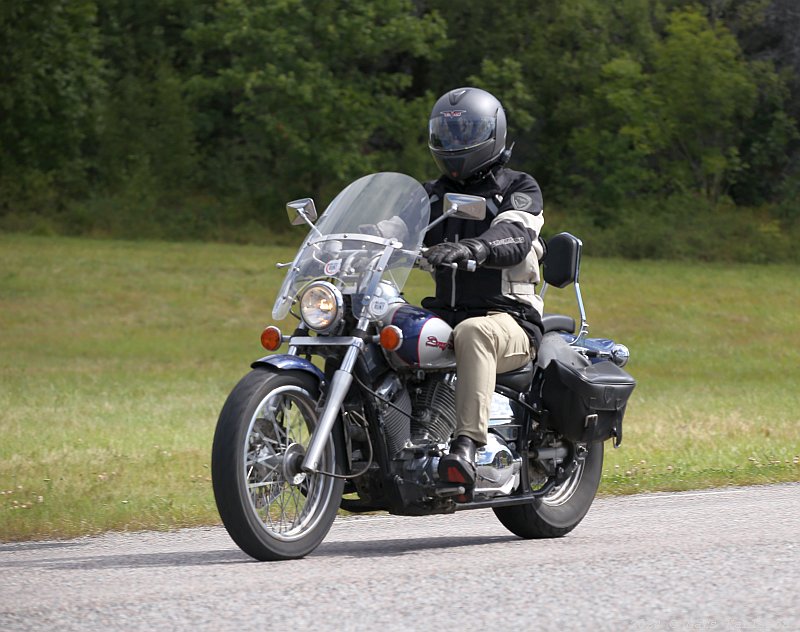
(495, 310)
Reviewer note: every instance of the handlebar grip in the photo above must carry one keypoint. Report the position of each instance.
(470, 265)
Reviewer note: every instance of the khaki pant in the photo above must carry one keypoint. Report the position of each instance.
(485, 346)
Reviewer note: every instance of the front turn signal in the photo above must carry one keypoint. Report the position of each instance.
(271, 338)
(391, 338)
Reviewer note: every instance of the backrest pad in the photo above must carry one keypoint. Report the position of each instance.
(561, 265)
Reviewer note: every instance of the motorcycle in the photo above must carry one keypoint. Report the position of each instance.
(364, 427)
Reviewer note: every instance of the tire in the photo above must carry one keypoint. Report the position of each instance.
(559, 512)
(267, 515)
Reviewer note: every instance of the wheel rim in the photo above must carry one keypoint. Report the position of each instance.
(564, 492)
(282, 424)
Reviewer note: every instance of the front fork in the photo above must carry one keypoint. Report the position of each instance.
(337, 391)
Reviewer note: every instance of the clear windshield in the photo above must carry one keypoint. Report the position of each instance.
(371, 232)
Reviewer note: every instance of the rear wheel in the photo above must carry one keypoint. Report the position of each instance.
(560, 511)
(271, 509)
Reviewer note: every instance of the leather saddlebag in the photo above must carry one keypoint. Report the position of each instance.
(586, 403)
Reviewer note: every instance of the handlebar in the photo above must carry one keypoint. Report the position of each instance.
(468, 265)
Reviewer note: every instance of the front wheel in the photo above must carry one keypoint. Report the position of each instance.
(560, 511)
(270, 510)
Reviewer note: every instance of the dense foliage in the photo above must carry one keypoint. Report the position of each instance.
(657, 128)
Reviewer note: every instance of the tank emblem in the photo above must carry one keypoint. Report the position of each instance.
(433, 341)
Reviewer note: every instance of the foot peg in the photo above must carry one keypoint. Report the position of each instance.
(459, 493)
(450, 490)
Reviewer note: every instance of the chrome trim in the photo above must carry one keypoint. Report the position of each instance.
(567, 489)
(620, 355)
(302, 211)
(324, 341)
(337, 297)
(583, 332)
(305, 506)
(340, 385)
(373, 239)
(498, 469)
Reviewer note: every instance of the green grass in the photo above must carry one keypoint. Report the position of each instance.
(115, 358)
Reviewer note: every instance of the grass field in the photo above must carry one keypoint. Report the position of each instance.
(115, 358)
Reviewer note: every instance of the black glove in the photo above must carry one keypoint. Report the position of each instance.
(456, 251)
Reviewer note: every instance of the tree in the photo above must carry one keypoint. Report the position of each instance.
(706, 92)
(302, 96)
(51, 79)
(674, 122)
(574, 148)
(146, 130)
(768, 33)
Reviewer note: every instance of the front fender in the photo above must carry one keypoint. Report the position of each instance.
(286, 362)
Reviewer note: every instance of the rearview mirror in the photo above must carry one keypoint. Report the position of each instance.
(464, 206)
(301, 211)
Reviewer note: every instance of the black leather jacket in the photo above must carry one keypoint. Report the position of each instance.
(510, 230)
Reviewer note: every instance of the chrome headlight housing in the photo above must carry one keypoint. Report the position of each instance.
(620, 355)
(321, 306)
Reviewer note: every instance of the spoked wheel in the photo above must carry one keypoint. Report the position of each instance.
(272, 509)
(560, 511)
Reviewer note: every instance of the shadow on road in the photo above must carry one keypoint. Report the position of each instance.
(352, 549)
(134, 560)
(404, 546)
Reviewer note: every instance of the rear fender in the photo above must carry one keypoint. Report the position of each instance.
(286, 362)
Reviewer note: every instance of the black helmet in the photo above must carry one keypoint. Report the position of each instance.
(466, 132)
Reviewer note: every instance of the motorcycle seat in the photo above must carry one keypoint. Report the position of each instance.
(558, 322)
(518, 380)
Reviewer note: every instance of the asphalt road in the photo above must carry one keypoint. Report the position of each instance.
(725, 559)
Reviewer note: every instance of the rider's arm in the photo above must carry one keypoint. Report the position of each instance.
(515, 230)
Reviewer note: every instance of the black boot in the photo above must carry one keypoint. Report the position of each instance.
(459, 465)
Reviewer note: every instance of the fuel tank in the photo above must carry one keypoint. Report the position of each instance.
(427, 339)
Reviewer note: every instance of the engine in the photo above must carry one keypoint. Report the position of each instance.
(433, 405)
(422, 412)
(419, 412)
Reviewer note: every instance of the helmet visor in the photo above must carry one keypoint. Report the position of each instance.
(451, 131)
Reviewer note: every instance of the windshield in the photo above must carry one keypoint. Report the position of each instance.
(371, 232)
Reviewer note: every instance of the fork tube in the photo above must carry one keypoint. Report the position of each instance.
(340, 384)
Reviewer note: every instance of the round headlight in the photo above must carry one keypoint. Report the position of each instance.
(321, 306)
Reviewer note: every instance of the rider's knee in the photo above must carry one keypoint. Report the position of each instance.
(471, 332)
